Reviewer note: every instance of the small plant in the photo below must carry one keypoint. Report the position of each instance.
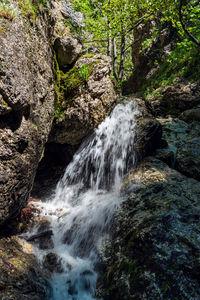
(2, 32)
(84, 72)
(7, 10)
(30, 7)
(27, 8)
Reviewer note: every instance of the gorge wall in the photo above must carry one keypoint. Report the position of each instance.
(53, 93)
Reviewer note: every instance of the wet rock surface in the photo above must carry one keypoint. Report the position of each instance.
(183, 146)
(191, 115)
(52, 263)
(155, 249)
(20, 276)
(148, 131)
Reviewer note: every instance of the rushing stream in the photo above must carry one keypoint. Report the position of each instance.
(81, 210)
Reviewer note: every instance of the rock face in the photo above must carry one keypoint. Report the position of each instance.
(191, 115)
(148, 131)
(67, 50)
(67, 47)
(87, 96)
(20, 278)
(155, 249)
(26, 106)
(177, 98)
(183, 143)
(149, 49)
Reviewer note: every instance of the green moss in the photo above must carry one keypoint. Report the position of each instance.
(66, 84)
(89, 55)
(76, 77)
(58, 107)
(74, 28)
(30, 7)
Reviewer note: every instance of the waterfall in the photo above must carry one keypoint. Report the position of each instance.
(81, 210)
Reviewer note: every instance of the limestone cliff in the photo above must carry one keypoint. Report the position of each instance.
(26, 104)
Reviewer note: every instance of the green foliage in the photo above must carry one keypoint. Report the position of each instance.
(76, 77)
(30, 7)
(84, 72)
(74, 28)
(108, 19)
(58, 105)
(66, 84)
(183, 62)
(7, 11)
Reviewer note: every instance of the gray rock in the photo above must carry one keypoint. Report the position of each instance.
(88, 97)
(52, 263)
(148, 131)
(188, 158)
(26, 107)
(155, 249)
(67, 50)
(183, 139)
(190, 115)
(176, 98)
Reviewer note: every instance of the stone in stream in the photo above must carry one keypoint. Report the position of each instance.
(21, 277)
(52, 263)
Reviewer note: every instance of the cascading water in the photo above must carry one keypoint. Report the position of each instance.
(86, 197)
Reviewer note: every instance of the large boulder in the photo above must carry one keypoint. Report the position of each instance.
(190, 115)
(182, 151)
(148, 130)
(154, 252)
(21, 277)
(67, 50)
(26, 106)
(67, 47)
(86, 97)
(178, 97)
(188, 158)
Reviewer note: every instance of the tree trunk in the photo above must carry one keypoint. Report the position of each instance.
(197, 42)
(114, 58)
(122, 56)
(109, 49)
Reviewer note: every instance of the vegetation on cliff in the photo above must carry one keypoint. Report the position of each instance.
(110, 26)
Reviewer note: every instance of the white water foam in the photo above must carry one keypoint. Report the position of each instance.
(86, 197)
